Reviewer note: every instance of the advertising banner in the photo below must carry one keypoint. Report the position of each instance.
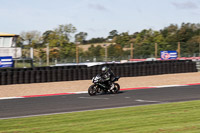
(168, 55)
(6, 61)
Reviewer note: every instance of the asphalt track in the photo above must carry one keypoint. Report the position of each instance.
(15, 108)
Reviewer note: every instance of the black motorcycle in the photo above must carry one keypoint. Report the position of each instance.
(100, 87)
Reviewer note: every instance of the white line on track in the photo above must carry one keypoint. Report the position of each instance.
(140, 100)
(3, 98)
(165, 86)
(80, 92)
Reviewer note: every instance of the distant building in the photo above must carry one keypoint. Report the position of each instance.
(8, 45)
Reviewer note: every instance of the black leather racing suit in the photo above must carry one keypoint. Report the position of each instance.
(108, 77)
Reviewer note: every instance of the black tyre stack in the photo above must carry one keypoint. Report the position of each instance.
(82, 72)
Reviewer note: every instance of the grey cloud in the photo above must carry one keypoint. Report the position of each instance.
(185, 5)
(98, 7)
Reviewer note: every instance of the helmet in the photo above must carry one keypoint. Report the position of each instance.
(104, 69)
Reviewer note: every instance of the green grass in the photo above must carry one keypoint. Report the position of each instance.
(183, 117)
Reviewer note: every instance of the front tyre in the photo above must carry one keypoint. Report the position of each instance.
(116, 88)
(92, 90)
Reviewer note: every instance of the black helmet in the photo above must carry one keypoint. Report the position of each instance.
(104, 69)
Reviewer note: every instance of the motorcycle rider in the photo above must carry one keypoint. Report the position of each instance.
(107, 76)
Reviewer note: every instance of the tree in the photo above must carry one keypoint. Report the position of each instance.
(42, 54)
(185, 32)
(20, 41)
(97, 40)
(63, 33)
(65, 30)
(31, 38)
(195, 39)
(60, 36)
(93, 51)
(53, 39)
(69, 50)
(54, 53)
(59, 41)
(123, 39)
(81, 37)
(115, 50)
(112, 34)
(47, 36)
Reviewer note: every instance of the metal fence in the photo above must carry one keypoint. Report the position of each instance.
(140, 51)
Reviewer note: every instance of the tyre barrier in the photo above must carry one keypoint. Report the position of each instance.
(82, 72)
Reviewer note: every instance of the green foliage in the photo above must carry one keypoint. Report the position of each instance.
(123, 39)
(115, 50)
(170, 33)
(58, 41)
(60, 36)
(94, 51)
(144, 41)
(81, 37)
(68, 51)
(42, 54)
(112, 34)
(96, 40)
(187, 34)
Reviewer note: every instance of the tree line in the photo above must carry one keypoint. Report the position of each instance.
(58, 39)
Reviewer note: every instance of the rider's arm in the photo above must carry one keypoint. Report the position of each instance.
(105, 77)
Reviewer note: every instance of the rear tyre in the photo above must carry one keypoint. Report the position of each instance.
(116, 88)
(92, 90)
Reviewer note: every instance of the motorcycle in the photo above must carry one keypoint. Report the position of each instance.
(99, 87)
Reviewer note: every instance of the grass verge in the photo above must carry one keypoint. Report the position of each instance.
(183, 117)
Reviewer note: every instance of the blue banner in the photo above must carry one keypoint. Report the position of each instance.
(168, 55)
(6, 61)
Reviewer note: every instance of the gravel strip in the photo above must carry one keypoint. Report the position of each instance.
(82, 85)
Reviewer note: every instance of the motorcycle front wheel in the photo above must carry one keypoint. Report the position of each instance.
(116, 88)
(92, 90)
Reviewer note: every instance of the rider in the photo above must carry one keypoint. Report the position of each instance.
(107, 75)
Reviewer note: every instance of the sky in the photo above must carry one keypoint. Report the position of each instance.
(96, 17)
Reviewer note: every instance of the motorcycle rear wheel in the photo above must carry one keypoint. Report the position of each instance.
(92, 90)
